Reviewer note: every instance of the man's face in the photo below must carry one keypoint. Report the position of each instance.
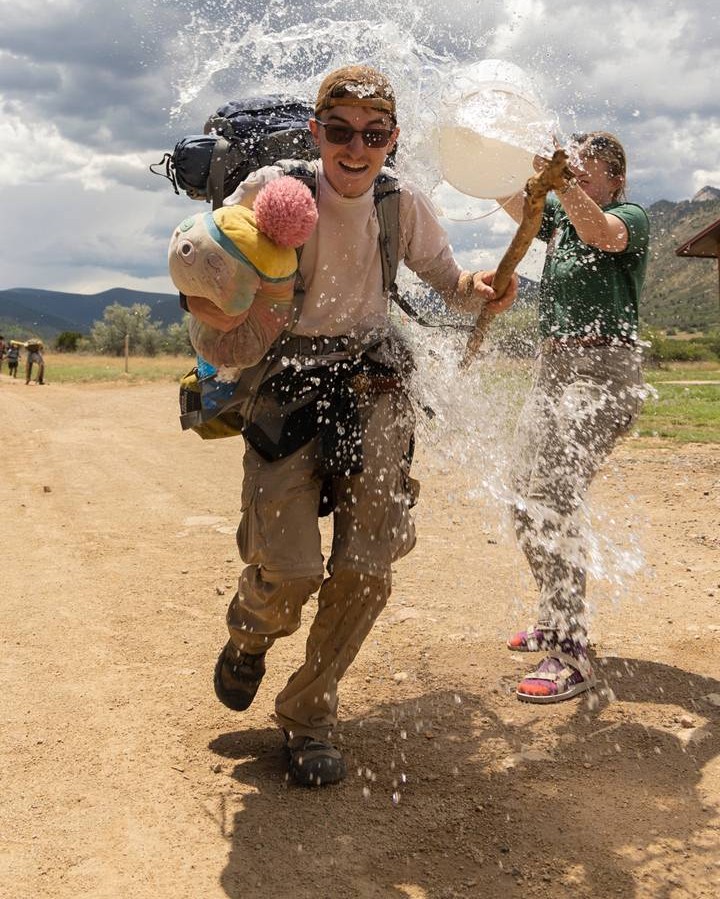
(351, 168)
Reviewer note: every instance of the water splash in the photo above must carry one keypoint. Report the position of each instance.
(227, 49)
(472, 433)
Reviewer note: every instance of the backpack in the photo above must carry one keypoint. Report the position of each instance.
(241, 136)
(207, 405)
(213, 408)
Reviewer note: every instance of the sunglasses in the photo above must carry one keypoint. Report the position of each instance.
(343, 134)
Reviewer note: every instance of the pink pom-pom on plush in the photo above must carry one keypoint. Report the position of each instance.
(285, 211)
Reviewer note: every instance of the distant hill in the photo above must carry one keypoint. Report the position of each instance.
(25, 311)
(705, 194)
(681, 293)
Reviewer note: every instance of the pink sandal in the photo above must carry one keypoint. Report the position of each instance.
(537, 638)
(558, 677)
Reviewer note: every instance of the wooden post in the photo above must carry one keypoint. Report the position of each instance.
(127, 351)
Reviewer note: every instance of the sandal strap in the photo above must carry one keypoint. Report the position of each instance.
(571, 665)
(544, 626)
(578, 664)
(555, 677)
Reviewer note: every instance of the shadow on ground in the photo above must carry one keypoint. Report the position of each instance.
(452, 794)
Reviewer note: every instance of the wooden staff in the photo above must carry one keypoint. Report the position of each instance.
(554, 176)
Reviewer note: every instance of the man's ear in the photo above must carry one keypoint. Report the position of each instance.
(314, 130)
(393, 141)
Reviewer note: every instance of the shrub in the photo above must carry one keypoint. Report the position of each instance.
(669, 349)
(67, 341)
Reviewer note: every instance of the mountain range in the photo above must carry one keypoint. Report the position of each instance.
(681, 294)
(47, 313)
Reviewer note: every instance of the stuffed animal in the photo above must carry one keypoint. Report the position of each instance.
(225, 260)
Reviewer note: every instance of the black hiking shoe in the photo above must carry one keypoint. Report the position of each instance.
(237, 677)
(314, 763)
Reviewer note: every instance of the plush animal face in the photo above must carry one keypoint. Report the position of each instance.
(223, 257)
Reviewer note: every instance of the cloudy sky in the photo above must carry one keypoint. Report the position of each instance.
(93, 92)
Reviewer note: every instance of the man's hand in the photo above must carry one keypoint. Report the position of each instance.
(492, 304)
(474, 294)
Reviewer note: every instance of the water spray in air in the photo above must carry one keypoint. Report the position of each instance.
(469, 130)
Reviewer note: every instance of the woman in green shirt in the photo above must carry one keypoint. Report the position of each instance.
(587, 391)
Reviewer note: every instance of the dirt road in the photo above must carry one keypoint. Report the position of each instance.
(123, 777)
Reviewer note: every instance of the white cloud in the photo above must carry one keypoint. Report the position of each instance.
(67, 238)
(24, 162)
(86, 98)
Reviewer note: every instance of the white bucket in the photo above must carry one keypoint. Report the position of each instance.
(491, 128)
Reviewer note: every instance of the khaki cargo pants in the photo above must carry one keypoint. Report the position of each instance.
(582, 401)
(279, 539)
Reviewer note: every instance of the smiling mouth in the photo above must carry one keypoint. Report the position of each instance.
(353, 169)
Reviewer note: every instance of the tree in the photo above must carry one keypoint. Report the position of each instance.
(108, 336)
(177, 339)
(67, 341)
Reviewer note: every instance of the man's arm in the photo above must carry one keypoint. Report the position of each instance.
(245, 193)
(246, 343)
(429, 254)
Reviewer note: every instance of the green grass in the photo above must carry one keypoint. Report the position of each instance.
(681, 412)
(78, 368)
(684, 413)
(684, 371)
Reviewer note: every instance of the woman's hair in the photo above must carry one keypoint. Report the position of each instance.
(606, 147)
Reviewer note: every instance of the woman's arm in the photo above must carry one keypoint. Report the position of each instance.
(594, 227)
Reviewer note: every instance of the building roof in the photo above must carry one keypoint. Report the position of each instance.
(704, 243)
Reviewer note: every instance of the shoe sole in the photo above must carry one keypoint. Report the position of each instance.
(231, 699)
(575, 690)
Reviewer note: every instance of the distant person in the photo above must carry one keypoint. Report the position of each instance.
(3, 350)
(13, 357)
(34, 357)
(587, 392)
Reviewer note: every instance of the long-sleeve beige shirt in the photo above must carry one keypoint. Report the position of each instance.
(341, 271)
(340, 264)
